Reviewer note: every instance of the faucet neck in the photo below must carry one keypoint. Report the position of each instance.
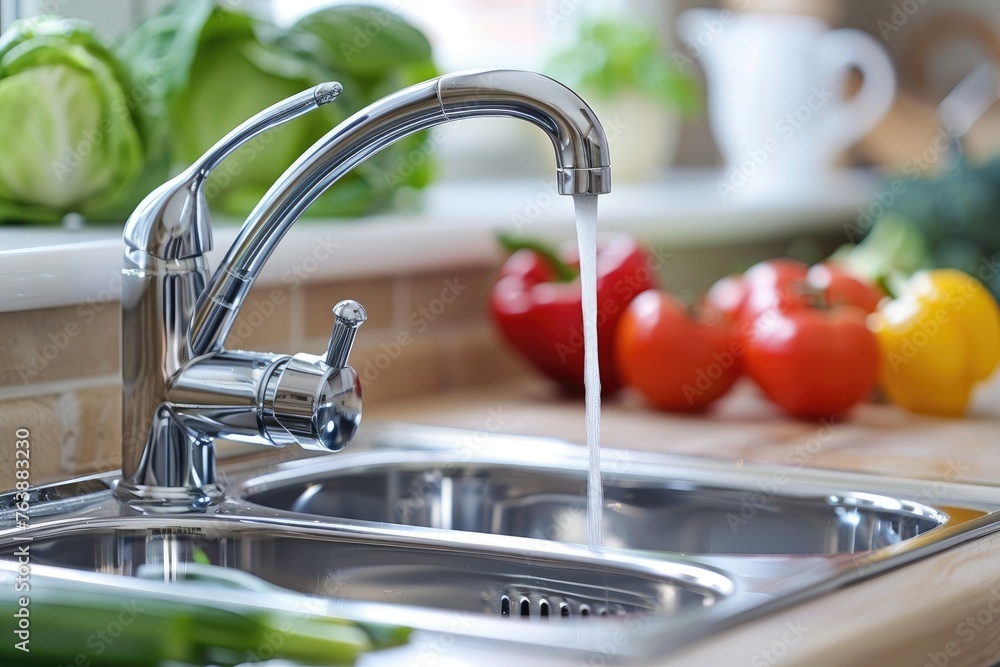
(581, 150)
(172, 222)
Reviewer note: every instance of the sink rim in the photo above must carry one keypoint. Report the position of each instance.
(237, 516)
(562, 634)
(437, 445)
(800, 579)
(383, 440)
(325, 469)
(488, 629)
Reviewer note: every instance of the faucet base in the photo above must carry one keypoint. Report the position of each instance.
(168, 499)
(176, 471)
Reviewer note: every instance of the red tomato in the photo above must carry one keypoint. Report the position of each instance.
(785, 284)
(727, 297)
(840, 288)
(675, 362)
(774, 284)
(813, 363)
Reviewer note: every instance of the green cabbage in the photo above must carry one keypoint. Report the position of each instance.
(71, 127)
(220, 66)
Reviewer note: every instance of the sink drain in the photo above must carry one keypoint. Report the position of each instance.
(533, 605)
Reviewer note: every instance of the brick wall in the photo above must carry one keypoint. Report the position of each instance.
(59, 367)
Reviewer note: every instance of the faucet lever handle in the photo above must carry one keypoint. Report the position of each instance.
(349, 315)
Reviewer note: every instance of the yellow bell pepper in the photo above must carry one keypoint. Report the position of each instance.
(938, 339)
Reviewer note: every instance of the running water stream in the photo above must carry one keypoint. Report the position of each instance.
(586, 238)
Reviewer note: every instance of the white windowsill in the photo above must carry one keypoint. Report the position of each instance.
(46, 267)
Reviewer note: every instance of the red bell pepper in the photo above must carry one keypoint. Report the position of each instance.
(536, 305)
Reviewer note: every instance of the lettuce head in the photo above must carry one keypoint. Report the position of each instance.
(222, 65)
(72, 134)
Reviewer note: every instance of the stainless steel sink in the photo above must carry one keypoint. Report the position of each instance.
(537, 489)
(502, 579)
(640, 512)
(435, 581)
(423, 526)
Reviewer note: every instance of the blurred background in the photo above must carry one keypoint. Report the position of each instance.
(752, 141)
(933, 44)
(775, 126)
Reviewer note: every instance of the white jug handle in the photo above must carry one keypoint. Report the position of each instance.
(841, 50)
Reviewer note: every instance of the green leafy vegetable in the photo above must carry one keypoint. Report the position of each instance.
(894, 249)
(610, 55)
(379, 53)
(949, 220)
(221, 66)
(73, 133)
(376, 48)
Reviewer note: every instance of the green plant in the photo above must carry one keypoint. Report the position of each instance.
(610, 55)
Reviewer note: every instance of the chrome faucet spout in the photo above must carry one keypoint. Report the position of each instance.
(172, 222)
(581, 150)
(583, 164)
(181, 388)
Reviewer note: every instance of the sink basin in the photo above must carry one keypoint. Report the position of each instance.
(640, 512)
(499, 579)
(653, 503)
(435, 581)
(424, 526)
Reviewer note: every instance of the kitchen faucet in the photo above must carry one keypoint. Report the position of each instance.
(181, 388)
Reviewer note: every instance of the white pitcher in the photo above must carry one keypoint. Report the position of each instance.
(776, 93)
